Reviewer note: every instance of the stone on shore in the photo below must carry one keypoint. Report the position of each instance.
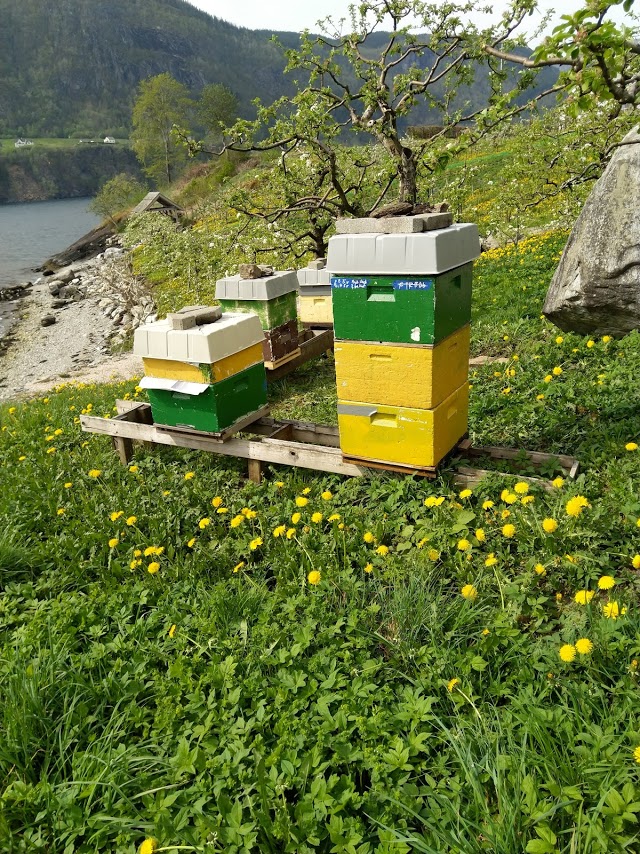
(596, 287)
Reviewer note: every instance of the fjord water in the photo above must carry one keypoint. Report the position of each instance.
(32, 232)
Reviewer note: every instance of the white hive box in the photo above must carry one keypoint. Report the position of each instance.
(310, 277)
(268, 288)
(425, 254)
(202, 344)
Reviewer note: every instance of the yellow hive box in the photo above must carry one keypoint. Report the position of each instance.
(403, 436)
(315, 309)
(168, 369)
(419, 377)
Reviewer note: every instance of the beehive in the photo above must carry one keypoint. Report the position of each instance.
(314, 300)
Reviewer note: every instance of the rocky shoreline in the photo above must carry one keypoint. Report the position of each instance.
(73, 320)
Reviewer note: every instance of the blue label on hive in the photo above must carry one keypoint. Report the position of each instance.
(420, 285)
(396, 284)
(339, 282)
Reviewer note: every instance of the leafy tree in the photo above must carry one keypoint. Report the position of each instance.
(116, 195)
(162, 103)
(216, 109)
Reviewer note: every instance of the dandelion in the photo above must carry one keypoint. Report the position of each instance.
(559, 339)
(631, 446)
(134, 469)
(576, 505)
(463, 545)
(317, 518)
(432, 501)
(558, 482)
(238, 566)
(22, 459)
(149, 846)
(326, 495)
(165, 493)
(556, 371)
(280, 531)
(539, 397)
(306, 490)
(153, 550)
(291, 532)
(60, 511)
(548, 378)
(280, 484)
(583, 597)
(172, 631)
(135, 564)
(567, 652)
(314, 577)
(191, 543)
(368, 567)
(466, 493)
(539, 569)
(383, 551)
(113, 542)
(95, 473)
(301, 501)
(606, 339)
(451, 684)
(606, 582)
(116, 515)
(509, 530)
(189, 475)
(487, 505)
(527, 499)
(480, 535)
(549, 525)
(508, 497)
(368, 537)
(335, 517)
(237, 521)
(636, 754)
(505, 514)
(249, 514)
(491, 560)
(255, 544)
(222, 510)
(433, 554)
(12, 409)
(216, 502)
(521, 487)
(590, 343)
(296, 518)
(131, 520)
(612, 610)
(584, 646)
(51, 450)
(469, 592)
(153, 567)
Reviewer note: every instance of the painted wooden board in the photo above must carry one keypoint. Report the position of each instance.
(315, 309)
(203, 373)
(401, 375)
(272, 313)
(401, 309)
(401, 435)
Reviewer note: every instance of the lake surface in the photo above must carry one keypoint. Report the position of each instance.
(32, 232)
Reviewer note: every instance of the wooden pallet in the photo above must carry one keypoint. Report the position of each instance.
(313, 343)
(283, 442)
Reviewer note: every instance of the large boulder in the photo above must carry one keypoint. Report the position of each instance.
(596, 288)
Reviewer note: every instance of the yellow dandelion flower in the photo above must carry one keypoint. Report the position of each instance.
(508, 530)
(480, 535)
(383, 551)
(485, 632)
(451, 684)
(137, 553)
(165, 493)
(612, 610)
(576, 505)
(280, 484)
(487, 505)
(466, 493)
(527, 499)
(113, 542)
(189, 475)
(326, 495)
(368, 537)
(636, 562)
(204, 523)
(51, 450)
(153, 567)
(131, 520)
(306, 490)
(558, 482)
(335, 517)
(222, 510)
(583, 597)
(433, 554)
(548, 378)
(559, 339)
(280, 531)
(556, 371)
(172, 631)
(491, 560)
(316, 518)
(314, 577)
(12, 409)
(191, 543)
(255, 544)
(606, 338)
(134, 469)
(301, 501)
(584, 646)
(432, 501)
(135, 563)
(60, 511)
(549, 525)
(567, 652)
(539, 397)
(237, 521)
(631, 446)
(368, 567)
(591, 344)
(22, 459)
(95, 473)
(636, 754)
(116, 515)
(521, 487)
(539, 569)
(149, 846)
(238, 566)
(291, 532)
(217, 501)
(469, 592)
(249, 514)
(463, 545)
(296, 518)
(606, 582)
(508, 497)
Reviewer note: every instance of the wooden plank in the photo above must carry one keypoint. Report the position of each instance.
(273, 366)
(255, 471)
(470, 476)
(381, 465)
(537, 457)
(314, 457)
(225, 434)
(315, 346)
(301, 431)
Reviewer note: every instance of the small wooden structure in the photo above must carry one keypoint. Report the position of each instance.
(157, 203)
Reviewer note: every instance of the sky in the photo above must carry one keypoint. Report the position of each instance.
(297, 15)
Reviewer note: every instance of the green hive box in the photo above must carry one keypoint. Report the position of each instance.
(272, 312)
(215, 409)
(401, 309)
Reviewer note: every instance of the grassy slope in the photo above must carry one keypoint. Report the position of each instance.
(282, 716)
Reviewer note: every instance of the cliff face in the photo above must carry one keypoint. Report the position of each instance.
(66, 173)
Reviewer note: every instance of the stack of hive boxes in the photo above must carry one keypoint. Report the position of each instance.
(314, 302)
(273, 298)
(402, 307)
(203, 370)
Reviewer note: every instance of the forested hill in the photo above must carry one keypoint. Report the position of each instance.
(73, 66)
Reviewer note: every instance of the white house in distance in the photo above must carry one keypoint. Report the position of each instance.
(20, 143)
(110, 140)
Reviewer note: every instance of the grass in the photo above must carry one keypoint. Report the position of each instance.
(226, 703)
(8, 143)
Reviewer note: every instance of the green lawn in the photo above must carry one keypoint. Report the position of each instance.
(321, 664)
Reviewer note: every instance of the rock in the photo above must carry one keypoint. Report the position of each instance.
(54, 287)
(596, 287)
(255, 271)
(393, 209)
(47, 320)
(59, 303)
(489, 242)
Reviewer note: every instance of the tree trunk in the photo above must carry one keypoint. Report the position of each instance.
(407, 177)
